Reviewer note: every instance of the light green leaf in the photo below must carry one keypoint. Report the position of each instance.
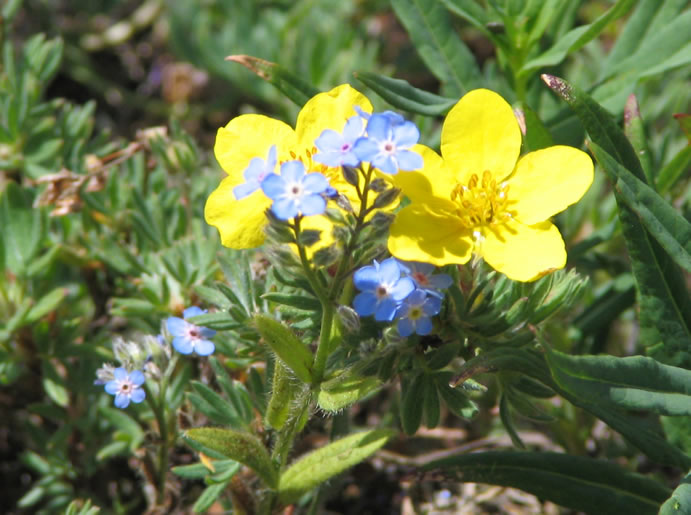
(22, 227)
(220, 321)
(438, 44)
(662, 221)
(575, 482)
(402, 95)
(576, 38)
(286, 345)
(318, 466)
(208, 497)
(340, 392)
(242, 447)
(680, 501)
(299, 301)
(46, 304)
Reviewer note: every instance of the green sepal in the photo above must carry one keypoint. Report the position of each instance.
(242, 447)
(286, 345)
(318, 466)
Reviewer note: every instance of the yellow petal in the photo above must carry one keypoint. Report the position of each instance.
(523, 252)
(248, 136)
(481, 133)
(547, 181)
(328, 110)
(317, 223)
(239, 222)
(434, 179)
(423, 233)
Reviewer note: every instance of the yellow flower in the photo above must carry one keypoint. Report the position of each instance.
(241, 222)
(479, 198)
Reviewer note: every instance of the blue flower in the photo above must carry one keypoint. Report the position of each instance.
(126, 387)
(295, 192)
(255, 173)
(336, 149)
(382, 289)
(415, 312)
(422, 275)
(387, 142)
(189, 338)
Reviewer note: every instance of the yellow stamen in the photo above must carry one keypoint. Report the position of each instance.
(482, 202)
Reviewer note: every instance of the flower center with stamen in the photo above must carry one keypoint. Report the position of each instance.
(415, 313)
(482, 201)
(420, 278)
(381, 291)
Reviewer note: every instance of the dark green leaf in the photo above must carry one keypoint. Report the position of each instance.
(579, 483)
(412, 403)
(402, 95)
(438, 44)
(680, 501)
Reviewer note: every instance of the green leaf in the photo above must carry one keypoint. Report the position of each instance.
(340, 392)
(318, 466)
(212, 296)
(299, 301)
(438, 44)
(576, 38)
(663, 295)
(608, 387)
(412, 403)
(283, 392)
(219, 321)
(576, 482)
(536, 134)
(663, 222)
(287, 83)
(471, 11)
(49, 302)
(402, 95)
(242, 447)
(286, 345)
(680, 501)
(22, 225)
(674, 170)
(218, 409)
(208, 497)
(635, 131)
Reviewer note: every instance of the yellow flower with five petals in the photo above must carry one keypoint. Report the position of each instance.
(241, 222)
(480, 198)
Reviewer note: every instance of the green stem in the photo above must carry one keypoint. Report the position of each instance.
(324, 347)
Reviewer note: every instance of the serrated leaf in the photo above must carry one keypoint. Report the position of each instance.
(575, 482)
(438, 44)
(402, 95)
(660, 284)
(286, 345)
(242, 447)
(318, 466)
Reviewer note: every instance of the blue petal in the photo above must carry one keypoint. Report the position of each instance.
(137, 377)
(329, 141)
(350, 159)
(366, 278)
(366, 149)
(176, 326)
(255, 171)
(193, 311)
(273, 186)
(204, 347)
(285, 208)
(379, 127)
(112, 387)
(183, 345)
(315, 183)
(120, 374)
(207, 333)
(243, 190)
(423, 326)
(431, 306)
(122, 400)
(365, 303)
(138, 395)
(386, 164)
(409, 160)
(352, 129)
(405, 327)
(312, 205)
(440, 281)
(416, 298)
(389, 271)
(406, 135)
(292, 171)
(386, 310)
(402, 289)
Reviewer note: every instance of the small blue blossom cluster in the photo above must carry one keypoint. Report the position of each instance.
(385, 143)
(294, 192)
(127, 385)
(405, 291)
